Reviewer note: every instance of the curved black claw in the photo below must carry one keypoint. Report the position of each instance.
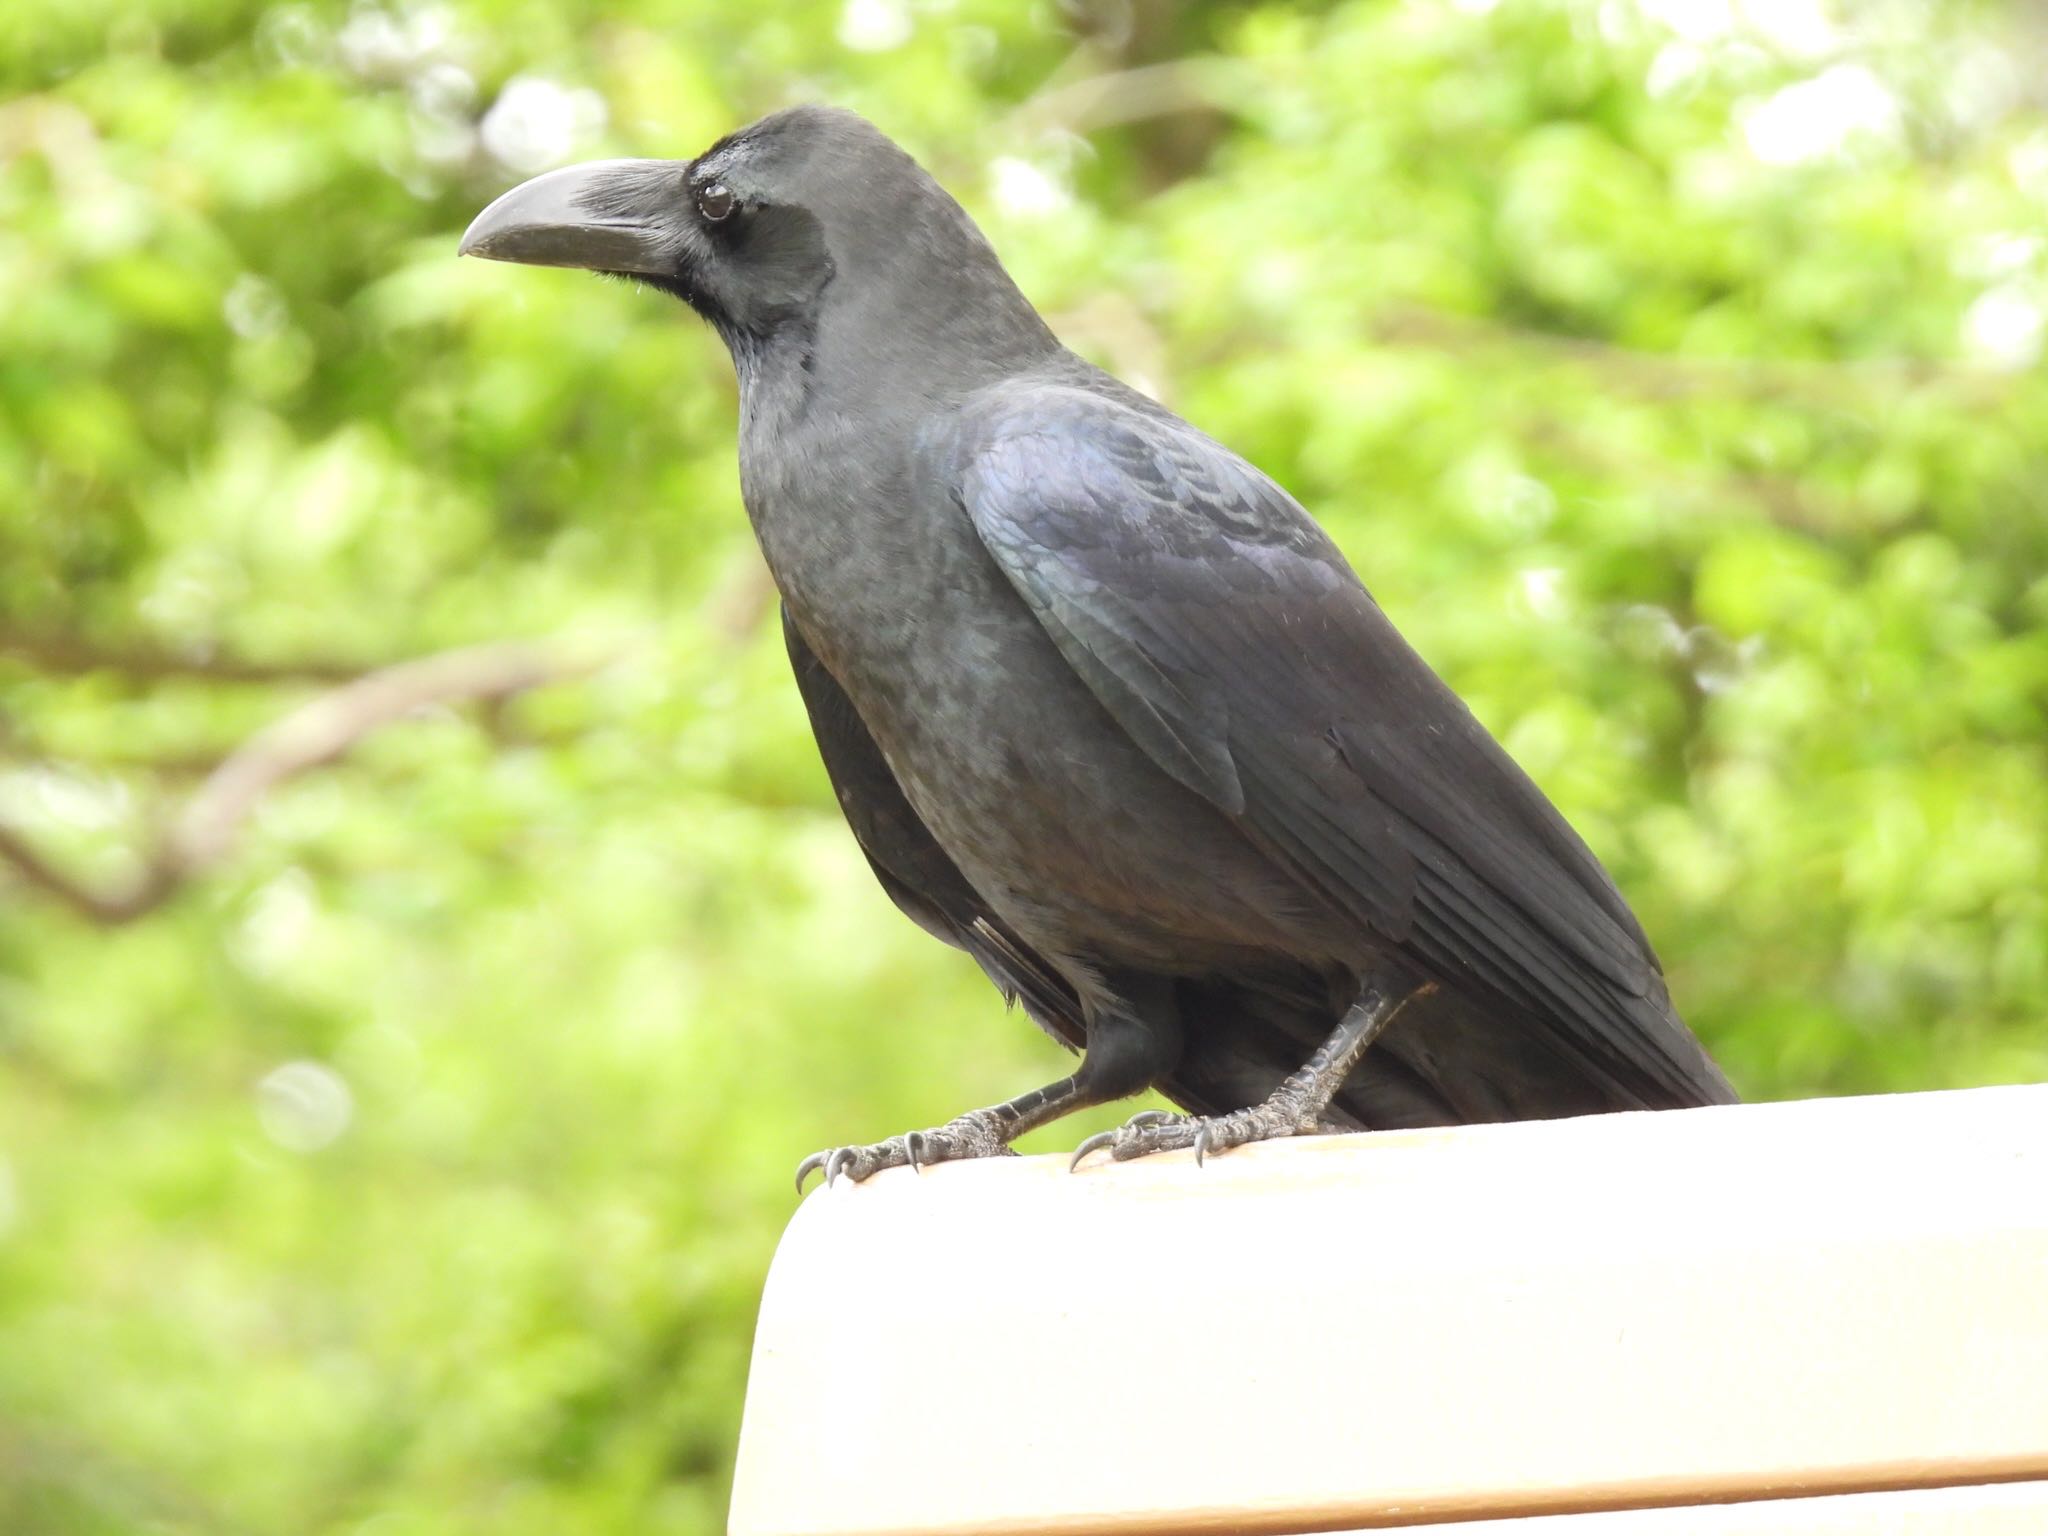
(807, 1167)
(1094, 1143)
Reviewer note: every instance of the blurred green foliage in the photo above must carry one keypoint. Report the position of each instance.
(410, 1162)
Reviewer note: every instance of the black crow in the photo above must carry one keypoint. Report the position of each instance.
(1104, 706)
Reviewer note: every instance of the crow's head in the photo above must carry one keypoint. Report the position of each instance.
(754, 232)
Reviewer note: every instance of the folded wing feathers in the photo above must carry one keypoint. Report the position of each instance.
(1218, 623)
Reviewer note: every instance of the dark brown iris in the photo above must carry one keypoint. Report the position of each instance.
(716, 202)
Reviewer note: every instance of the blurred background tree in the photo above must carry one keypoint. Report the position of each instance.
(426, 940)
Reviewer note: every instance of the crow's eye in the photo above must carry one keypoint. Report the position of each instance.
(716, 202)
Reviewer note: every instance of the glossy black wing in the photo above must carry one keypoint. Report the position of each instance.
(908, 861)
(1228, 637)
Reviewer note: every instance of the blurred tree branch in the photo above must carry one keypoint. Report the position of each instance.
(1666, 375)
(1119, 97)
(73, 655)
(320, 731)
(1785, 500)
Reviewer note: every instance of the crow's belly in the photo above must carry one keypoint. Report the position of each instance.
(1067, 829)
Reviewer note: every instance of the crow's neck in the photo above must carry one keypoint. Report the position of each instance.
(896, 350)
(838, 424)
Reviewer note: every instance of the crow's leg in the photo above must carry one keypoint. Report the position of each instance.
(1134, 1040)
(1295, 1108)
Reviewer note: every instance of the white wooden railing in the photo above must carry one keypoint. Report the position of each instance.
(1828, 1316)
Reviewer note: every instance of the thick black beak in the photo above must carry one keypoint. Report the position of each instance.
(606, 216)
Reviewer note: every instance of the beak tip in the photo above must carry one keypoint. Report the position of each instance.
(550, 222)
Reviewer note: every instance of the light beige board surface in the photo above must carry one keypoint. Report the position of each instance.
(2001, 1509)
(1368, 1330)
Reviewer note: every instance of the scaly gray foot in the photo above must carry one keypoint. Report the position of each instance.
(978, 1133)
(1154, 1130)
